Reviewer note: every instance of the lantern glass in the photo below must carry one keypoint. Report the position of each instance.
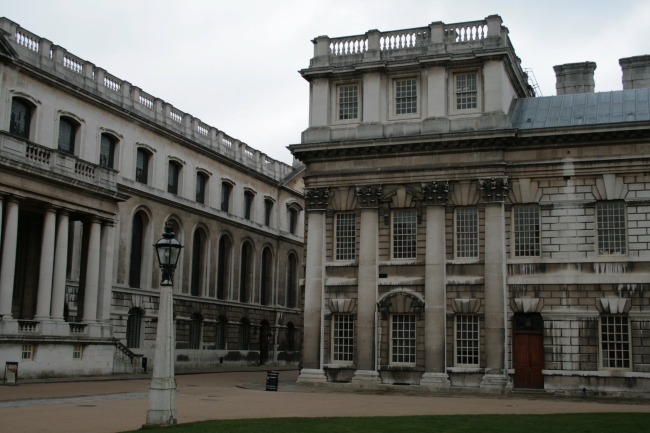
(168, 251)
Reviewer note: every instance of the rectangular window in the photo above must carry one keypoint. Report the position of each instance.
(615, 342)
(248, 205)
(402, 339)
(527, 237)
(466, 91)
(142, 167)
(268, 205)
(67, 131)
(404, 234)
(612, 234)
(342, 338)
(348, 101)
(200, 187)
(466, 232)
(28, 352)
(21, 116)
(172, 178)
(293, 216)
(106, 151)
(225, 196)
(346, 236)
(77, 352)
(406, 96)
(467, 343)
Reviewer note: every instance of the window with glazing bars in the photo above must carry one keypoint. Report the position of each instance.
(137, 236)
(221, 269)
(612, 234)
(243, 273)
(21, 117)
(293, 216)
(142, 166)
(466, 91)
(346, 236)
(243, 335)
(527, 235)
(615, 342)
(172, 177)
(343, 338)
(225, 196)
(406, 96)
(402, 339)
(248, 204)
(196, 264)
(133, 324)
(268, 206)
(404, 234)
(466, 232)
(467, 339)
(200, 187)
(67, 132)
(27, 352)
(106, 151)
(265, 280)
(195, 332)
(77, 352)
(348, 101)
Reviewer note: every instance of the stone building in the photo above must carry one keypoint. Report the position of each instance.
(463, 231)
(92, 169)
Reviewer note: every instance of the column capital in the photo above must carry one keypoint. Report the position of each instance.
(494, 189)
(368, 196)
(95, 219)
(317, 199)
(436, 192)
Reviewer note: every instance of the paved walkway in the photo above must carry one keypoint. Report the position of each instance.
(120, 405)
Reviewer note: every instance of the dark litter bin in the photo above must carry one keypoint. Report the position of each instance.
(272, 380)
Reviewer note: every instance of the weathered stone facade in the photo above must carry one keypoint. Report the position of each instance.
(92, 170)
(473, 234)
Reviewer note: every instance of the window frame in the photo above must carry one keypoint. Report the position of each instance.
(336, 237)
(76, 132)
(597, 230)
(196, 325)
(333, 337)
(391, 342)
(478, 340)
(27, 349)
(230, 187)
(629, 342)
(478, 235)
(336, 102)
(31, 126)
(200, 174)
(249, 207)
(143, 150)
(134, 312)
(268, 211)
(244, 335)
(392, 235)
(179, 166)
(392, 97)
(451, 89)
(513, 231)
(292, 220)
(291, 283)
(77, 349)
(114, 140)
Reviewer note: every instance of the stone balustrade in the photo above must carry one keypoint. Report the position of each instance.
(28, 326)
(77, 328)
(53, 59)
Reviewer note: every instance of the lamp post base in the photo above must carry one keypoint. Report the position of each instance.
(162, 402)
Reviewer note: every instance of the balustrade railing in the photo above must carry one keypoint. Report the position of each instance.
(176, 115)
(146, 100)
(73, 64)
(404, 39)
(248, 153)
(27, 40)
(203, 129)
(77, 328)
(227, 141)
(84, 169)
(349, 45)
(112, 83)
(28, 326)
(466, 32)
(38, 154)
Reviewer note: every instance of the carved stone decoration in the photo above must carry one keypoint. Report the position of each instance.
(527, 305)
(317, 198)
(436, 192)
(494, 189)
(613, 305)
(400, 302)
(368, 196)
(342, 305)
(609, 187)
(465, 305)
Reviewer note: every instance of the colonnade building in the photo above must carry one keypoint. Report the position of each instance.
(92, 169)
(464, 231)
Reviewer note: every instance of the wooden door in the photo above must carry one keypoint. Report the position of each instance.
(528, 360)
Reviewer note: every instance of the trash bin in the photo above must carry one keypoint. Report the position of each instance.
(272, 380)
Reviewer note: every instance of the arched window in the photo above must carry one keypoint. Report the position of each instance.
(291, 337)
(222, 326)
(201, 181)
(248, 204)
(142, 166)
(291, 281)
(293, 221)
(226, 188)
(244, 329)
(197, 253)
(172, 177)
(268, 207)
(21, 117)
(137, 237)
(133, 325)
(223, 267)
(266, 278)
(67, 134)
(195, 331)
(107, 151)
(246, 268)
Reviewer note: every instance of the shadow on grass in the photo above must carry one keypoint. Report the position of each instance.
(559, 423)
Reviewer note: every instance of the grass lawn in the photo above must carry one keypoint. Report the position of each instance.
(569, 423)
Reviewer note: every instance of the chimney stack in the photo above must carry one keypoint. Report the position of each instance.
(575, 78)
(636, 72)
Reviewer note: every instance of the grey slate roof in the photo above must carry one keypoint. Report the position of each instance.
(582, 109)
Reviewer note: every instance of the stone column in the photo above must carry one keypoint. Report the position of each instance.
(368, 200)
(316, 201)
(44, 296)
(435, 295)
(106, 274)
(494, 191)
(92, 272)
(8, 266)
(60, 266)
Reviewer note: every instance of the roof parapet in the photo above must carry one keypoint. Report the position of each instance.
(575, 78)
(636, 72)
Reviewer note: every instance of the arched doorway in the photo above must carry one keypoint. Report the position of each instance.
(265, 330)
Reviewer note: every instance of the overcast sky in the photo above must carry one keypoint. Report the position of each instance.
(234, 64)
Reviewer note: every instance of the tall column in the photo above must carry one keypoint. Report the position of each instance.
(316, 200)
(60, 266)
(44, 296)
(106, 273)
(92, 272)
(368, 200)
(435, 296)
(8, 266)
(494, 191)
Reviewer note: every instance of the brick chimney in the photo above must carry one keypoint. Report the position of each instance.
(636, 72)
(575, 78)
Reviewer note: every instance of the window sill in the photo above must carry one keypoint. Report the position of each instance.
(401, 368)
(340, 366)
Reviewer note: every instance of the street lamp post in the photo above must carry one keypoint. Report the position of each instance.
(162, 388)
